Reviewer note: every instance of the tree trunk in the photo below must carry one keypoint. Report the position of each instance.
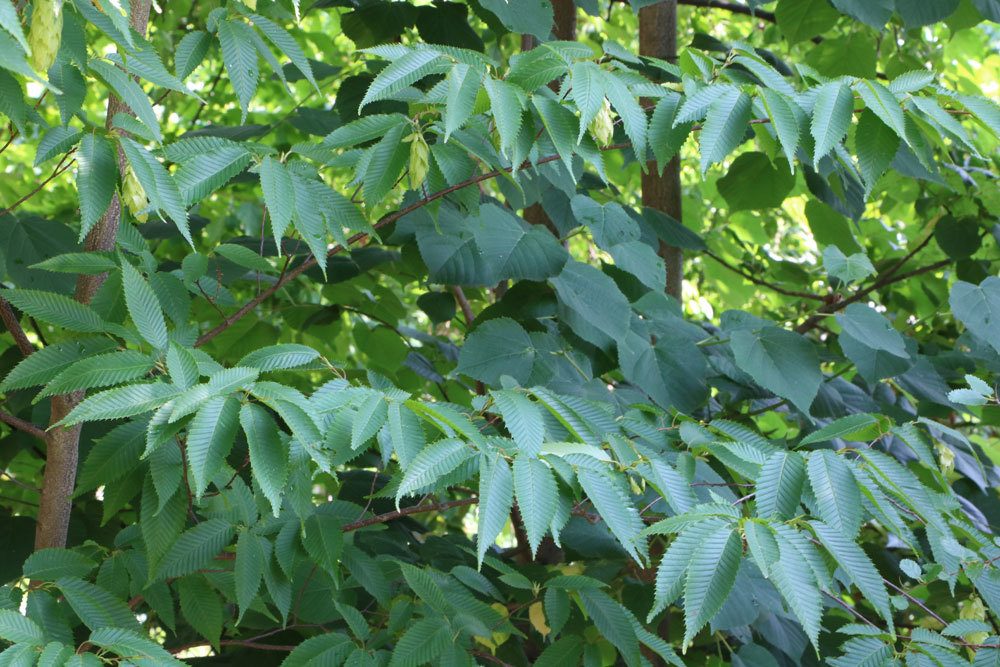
(564, 28)
(63, 444)
(658, 38)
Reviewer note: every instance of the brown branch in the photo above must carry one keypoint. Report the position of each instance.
(361, 236)
(407, 511)
(14, 327)
(885, 281)
(763, 283)
(284, 648)
(730, 7)
(59, 169)
(22, 425)
(63, 443)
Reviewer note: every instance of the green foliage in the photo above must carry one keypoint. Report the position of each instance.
(353, 318)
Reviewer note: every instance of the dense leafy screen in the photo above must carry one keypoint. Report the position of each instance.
(356, 316)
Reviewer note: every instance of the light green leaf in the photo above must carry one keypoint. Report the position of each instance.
(831, 116)
(496, 496)
(779, 486)
(143, 306)
(536, 492)
(132, 645)
(400, 73)
(195, 549)
(279, 195)
(522, 418)
(95, 606)
(507, 105)
(19, 629)
(434, 462)
(210, 437)
(710, 578)
(794, 579)
(269, 453)
(852, 560)
(847, 269)
(62, 311)
(724, 127)
(279, 357)
(200, 176)
(158, 184)
(129, 91)
(613, 622)
(120, 402)
(324, 541)
(102, 370)
(239, 54)
(96, 179)
(838, 500)
(612, 502)
(859, 427)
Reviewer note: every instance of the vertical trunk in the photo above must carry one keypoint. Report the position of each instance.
(63, 444)
(564, 28)
(658, 38)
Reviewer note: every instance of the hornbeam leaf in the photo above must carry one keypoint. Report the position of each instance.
(428, 466)
(19, 629)
(523, 419)
(239, 55)
(779, 486)
(496, 496)
(831, 116)
(852, 560)
(269, 453)
(710, 578)
(838, 500)
(614, 623)
(400, 73)
(210, 437)
(195, 549)
(143, 306)
(102, 370)
(536, 492)
(670, 575)
(96, 179)
(56, 309)
(797, 584)
(120, 402)
(612, 502)
(724, 127)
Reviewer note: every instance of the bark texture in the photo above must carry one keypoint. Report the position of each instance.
(63, 444)
(658, 38)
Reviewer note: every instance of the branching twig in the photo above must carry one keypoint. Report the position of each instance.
(763, 283)
(22, 425)
(14, 327)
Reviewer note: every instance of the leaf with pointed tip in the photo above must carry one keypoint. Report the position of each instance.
(102, 370)
(523, 419)
(779, 486)
(831, 116)
(96, 179)
(159, 185)
(95, 606)
(269, 453)
(143, 307)
(838, 501)
(400, 73)
(62, 311)
(858, 566)
(464, 83)
(613, 504)
(710, 578)
(434, 462)
(536, 492)
(120, 402)
(724, 127)
(239, 55)
(781, 361)
(195, 549)
(210, 437)
(794, 579)
(496, 496)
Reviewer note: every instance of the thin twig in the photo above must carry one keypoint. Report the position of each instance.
(22, 425)
(59, 169)
(14, 327)
(407, 511)
(763, 283)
